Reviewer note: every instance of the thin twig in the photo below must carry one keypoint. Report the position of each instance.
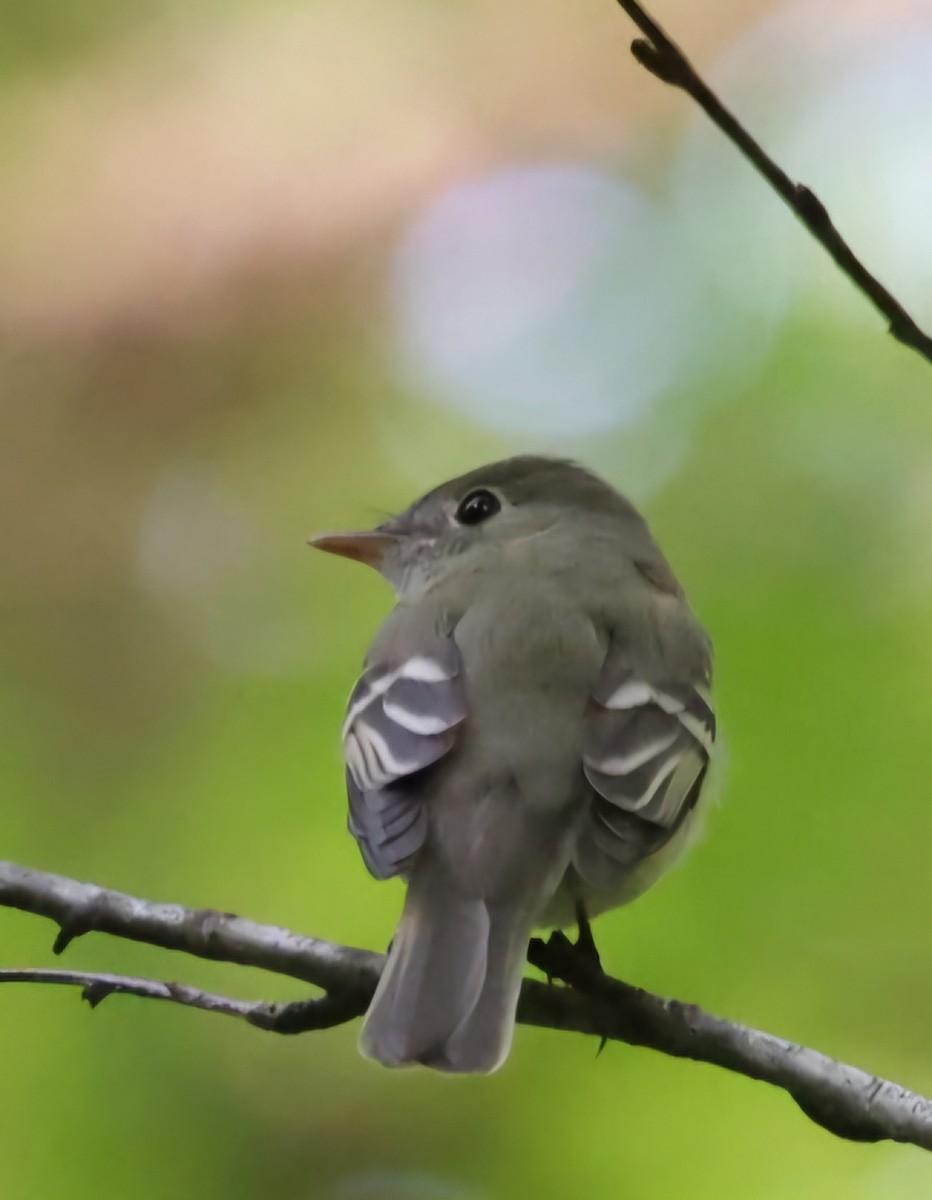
(844, 1099)
(299, 1016)
(80, 908)
(663, 58)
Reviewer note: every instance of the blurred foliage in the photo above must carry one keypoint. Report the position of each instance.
(174, 664)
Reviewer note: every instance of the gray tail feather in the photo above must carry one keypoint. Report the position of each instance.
(449, 989)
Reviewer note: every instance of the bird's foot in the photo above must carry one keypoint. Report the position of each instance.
(540, 955)
(584, 947)
(576, 962)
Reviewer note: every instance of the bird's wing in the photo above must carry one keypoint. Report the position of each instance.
(400, 719)
(646, 747)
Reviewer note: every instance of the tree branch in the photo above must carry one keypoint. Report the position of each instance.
(844, 1099)
(659, 55)
(80, 908)
(297, 1017)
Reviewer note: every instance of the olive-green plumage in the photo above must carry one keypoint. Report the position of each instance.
(532, 729)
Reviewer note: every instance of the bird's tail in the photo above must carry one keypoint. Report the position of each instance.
(449, 989)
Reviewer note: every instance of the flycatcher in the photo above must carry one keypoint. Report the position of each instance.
(530, 733)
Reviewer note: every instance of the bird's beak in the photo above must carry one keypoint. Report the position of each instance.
(368, 546)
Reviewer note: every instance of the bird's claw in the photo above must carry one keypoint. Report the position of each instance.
(584, 947)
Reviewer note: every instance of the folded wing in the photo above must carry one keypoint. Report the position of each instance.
(646, 747)
(401, 718)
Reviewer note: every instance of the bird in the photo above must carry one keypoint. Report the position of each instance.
(527, 743)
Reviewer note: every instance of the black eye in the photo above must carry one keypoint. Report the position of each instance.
(478, 506)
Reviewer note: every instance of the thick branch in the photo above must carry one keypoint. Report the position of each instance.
(844, 1099)
(659, 55)
(80, 908)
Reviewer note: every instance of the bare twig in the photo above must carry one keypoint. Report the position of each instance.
(297, 1017)
(844, 1099)
(80, 908)
(663, 58)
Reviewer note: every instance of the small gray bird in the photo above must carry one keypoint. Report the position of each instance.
(530, 734)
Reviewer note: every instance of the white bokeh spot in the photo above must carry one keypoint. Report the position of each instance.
(545, 298)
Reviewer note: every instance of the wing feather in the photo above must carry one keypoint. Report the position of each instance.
(400, 719)
(646, 746)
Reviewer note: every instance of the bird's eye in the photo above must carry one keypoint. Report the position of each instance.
(478, 506)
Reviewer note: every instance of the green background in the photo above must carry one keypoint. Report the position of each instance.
(198, 370)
